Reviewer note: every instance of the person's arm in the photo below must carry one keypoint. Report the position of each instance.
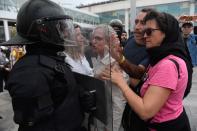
(146, 107)
(159, 87)
(134, 71)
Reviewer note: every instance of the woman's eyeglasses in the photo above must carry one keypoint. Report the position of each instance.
(149, 31)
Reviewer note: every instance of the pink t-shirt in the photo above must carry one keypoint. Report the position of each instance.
(165, 75)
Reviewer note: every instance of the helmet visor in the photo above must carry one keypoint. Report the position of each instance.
(66, 32)
(54, 30)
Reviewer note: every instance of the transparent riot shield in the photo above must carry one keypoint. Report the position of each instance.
(100, 40)
(84, 63)
(88, 60)
(114, 49)
(106, 44)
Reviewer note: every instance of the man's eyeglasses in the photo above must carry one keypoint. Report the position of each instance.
(149, 31)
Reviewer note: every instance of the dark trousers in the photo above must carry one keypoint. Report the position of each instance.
(3, 78)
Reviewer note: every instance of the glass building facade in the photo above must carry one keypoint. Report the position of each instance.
(8, 5)
(81, 17)
(106, 17)
(176, 9)
(11, 30)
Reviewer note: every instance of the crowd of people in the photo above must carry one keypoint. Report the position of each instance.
(146, 75)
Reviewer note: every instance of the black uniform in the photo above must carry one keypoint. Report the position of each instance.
(44, 94)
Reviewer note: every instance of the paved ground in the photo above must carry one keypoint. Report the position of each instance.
(7, 124)
(191, 103)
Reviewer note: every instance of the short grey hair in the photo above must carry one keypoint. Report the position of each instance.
(108, 31)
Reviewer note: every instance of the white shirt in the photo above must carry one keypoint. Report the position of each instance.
(118, 100)
(80, 66)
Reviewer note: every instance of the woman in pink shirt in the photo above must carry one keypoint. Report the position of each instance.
(160, 100)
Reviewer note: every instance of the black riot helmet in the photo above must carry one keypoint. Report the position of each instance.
(116, 23)
(43, 21)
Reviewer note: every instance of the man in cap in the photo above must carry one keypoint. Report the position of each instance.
(44, 91)
(190, 40)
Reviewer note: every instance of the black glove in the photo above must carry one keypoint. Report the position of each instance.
(88, 100)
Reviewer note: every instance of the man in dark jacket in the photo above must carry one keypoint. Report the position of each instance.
(44, 92)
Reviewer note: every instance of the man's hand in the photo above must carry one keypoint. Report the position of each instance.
(115, 48)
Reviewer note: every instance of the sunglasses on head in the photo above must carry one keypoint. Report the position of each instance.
(148, 31)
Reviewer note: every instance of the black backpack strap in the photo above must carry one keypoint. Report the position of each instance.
(177, 66)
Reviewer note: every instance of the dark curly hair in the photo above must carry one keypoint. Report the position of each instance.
(158, 17)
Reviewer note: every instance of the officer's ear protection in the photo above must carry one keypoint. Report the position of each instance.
(41, 26)
(38, 26)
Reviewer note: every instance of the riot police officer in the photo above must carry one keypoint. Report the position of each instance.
(44, 92)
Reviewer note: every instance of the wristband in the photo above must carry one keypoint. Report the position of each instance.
(122, 60)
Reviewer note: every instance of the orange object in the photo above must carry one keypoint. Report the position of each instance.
(188, 18)
(17, 53)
